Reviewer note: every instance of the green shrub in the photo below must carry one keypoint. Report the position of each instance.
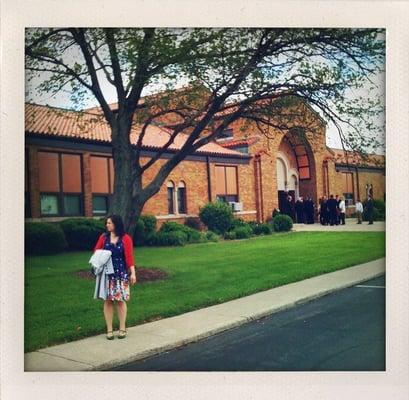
(282, 223)
(217, 216)
(171, 238)
(193, 236)
(237, 223)
(243, 232)
(82, 233)
(261, 228)
(211, 236)
(194, 223)
(231, 235)
(145, 229)
(43, 238)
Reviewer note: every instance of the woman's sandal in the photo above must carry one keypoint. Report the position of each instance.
(122, 334)
(110, 335)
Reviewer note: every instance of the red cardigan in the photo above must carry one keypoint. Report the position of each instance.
(128, 248)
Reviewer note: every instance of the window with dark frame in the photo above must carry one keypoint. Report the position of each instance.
(226, 183)
(348, 191)
(171, 205)
(60, 183)
(102, 176)
(181, 195)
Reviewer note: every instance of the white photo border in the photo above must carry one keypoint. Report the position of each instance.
(16, 384)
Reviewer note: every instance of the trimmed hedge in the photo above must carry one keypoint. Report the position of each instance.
(217, 216)
(241, 232)
(43, 238)
(282, 223)
(211, 236)
(82, 233)
(261, 228)
(171, 238)
(192, 235)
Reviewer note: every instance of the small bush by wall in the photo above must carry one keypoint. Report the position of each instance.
(171, 238)
(192, 235)
(211, 236)
(282, 223)
(217, 216)
(145, 229)
(43, 238)
(82, 233)
(261, 228)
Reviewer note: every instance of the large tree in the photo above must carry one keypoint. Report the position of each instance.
(256, 74)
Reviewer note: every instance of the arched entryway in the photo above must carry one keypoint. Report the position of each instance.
(295, 169)
(287, 181)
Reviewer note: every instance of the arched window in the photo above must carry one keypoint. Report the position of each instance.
(170, 192)
(181, 196)
(281, 174)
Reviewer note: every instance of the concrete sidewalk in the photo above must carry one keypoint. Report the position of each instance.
(350, 226)
(97, 353)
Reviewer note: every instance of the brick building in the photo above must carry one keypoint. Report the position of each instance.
(69, 168)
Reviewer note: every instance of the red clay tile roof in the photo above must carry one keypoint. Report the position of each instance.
(353, 158)
(240, 142)
(49, 121)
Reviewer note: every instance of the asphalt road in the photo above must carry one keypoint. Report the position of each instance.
(343, 331)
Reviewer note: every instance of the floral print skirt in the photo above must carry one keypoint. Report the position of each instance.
(118, 289)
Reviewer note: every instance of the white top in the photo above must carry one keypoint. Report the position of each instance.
(342, 206)
(359, 207)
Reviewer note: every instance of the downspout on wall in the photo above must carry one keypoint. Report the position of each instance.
(209, 182)
(257, 188)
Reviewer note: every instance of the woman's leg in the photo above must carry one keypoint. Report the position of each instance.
(108, 313)
(121, 310)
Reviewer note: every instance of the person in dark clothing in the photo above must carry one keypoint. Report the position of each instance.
(309, 210)
(332, 210)
(299, 210)
(290, 206)
(306, 209)
(338, 200)
(323, 211)
(369, 210)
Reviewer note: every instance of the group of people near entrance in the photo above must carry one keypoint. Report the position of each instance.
(331, 210)
(301, 212)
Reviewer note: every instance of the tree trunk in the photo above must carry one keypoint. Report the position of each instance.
(124, 173)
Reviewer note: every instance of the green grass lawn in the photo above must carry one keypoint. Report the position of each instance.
(59, 306)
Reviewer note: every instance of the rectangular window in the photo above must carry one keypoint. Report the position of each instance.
(60, 183)
(349, 199)
(226, 183)
(182, 200)
(49, 204)
(49, 175)
(171, 208)
(102, 183)
(71, 173)
(72, 204)
(99, 204)
(348, 188)
(99, 175)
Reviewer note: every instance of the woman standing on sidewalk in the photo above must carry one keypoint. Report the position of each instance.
(121, 246)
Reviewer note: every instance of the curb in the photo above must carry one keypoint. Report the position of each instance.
(146, 340)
